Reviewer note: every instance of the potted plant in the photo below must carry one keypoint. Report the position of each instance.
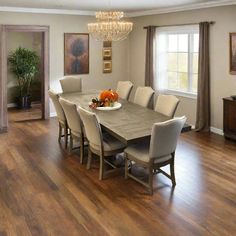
(24, 64)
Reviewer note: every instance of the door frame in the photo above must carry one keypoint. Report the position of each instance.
(4, 29)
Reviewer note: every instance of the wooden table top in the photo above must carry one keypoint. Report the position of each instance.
(130, 123)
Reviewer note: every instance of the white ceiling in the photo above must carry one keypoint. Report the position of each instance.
(129, 6)
(91, 5)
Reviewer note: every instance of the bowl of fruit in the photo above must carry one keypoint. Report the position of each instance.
(107, 101)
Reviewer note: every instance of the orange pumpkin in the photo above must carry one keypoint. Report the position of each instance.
(115, 96)
(109, 95)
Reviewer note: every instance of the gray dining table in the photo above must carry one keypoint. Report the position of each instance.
(129, 124)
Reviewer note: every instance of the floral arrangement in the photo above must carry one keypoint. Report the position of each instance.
(107, 98)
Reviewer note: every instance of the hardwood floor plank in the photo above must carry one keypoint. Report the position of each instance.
(45, 191)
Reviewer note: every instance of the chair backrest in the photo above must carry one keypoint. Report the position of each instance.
(123, 89)
(167, 105)
(72, 115)
(143, 96)
(71, 84)
(91, 126)
(165, 136)
(55, 100)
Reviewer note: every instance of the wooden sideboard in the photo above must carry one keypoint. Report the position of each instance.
(229, 118)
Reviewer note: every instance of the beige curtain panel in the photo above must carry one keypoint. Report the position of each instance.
(149, 74)
(203, 100)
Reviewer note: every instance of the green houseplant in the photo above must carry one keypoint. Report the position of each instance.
(24, 64)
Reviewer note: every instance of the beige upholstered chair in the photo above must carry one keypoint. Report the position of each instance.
(100, 144)
(123, 89)
(158, 153)
(71, 84)
(143, 96)
(167, 105)
(74, 124)
(61, 117)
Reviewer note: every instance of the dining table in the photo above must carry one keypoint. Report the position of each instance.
(129, 124)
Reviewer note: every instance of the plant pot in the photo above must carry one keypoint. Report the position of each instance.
(24, 102)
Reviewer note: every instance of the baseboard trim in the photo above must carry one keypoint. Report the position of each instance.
(213, 130)
(53, 114)
(11, 105)
(217, 131)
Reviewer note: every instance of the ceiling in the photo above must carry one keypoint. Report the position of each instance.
(128, 6)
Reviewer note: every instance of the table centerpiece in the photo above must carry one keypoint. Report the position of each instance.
(107, 100)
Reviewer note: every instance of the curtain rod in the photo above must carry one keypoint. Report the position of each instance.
(210, 22)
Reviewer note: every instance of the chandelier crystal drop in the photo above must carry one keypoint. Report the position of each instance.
(109, 26)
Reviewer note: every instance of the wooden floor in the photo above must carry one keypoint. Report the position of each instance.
(45, 191)
(18, 115)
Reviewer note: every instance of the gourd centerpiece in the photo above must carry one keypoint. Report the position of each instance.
(107, 98)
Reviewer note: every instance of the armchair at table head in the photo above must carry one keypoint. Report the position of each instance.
(71, 84)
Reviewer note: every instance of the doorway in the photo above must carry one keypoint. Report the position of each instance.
(39, 38)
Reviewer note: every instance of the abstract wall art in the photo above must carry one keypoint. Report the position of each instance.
(76, 53)
(232, 53)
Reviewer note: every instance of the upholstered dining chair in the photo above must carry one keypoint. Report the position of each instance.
(101, 144)
(166, 104)
(159, 152)
(123, 89)
(143, 96)
(75, 126)
(71, 84)
(63, 127)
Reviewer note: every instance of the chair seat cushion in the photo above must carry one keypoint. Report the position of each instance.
(111, 145)
(140, 152)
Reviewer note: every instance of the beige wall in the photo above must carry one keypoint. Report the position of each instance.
(25, 40)
(129, 55)
(222, 83)
(60, 24)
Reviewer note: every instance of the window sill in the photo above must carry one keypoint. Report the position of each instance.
(180, 94)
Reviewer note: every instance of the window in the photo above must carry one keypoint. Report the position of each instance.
(177, 59)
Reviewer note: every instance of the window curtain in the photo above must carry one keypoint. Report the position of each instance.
(149, 65)
(203, 98)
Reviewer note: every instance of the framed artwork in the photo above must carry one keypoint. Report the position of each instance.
(107, 53)
(232, 53)
(107, 66)
(107, 56)
(76, 53)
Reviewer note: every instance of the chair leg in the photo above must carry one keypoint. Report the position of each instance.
(60, 133)
(126, 167)
(89, 159)
(101, 169)
(150, 179)
(71, 144)
(172, 171)
(66, 137)
(81, 148)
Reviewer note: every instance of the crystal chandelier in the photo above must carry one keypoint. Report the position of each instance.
(109, 26)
